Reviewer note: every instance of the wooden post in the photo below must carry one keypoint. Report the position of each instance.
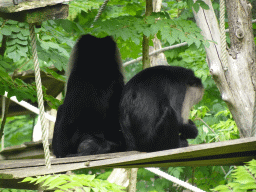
(145, 42)
(132, 179)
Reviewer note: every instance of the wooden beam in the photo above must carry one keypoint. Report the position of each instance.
(8, 6)
(9, 3)
(234, 152)
(59, 11)
(27, 150)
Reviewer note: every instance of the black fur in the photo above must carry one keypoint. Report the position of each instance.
(151, 108)
(87, 122)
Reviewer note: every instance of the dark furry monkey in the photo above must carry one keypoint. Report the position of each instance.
(155, 108)
(87, 122)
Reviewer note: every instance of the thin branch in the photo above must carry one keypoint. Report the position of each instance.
(156, 52)
(205, 124)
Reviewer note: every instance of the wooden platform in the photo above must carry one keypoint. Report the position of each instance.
(234, 152)
(27, 150)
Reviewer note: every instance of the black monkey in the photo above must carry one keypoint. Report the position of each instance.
(155, 106)
(87, 122)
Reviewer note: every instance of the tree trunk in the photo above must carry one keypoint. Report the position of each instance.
(157, 59)
(236, 83)
(145, 41)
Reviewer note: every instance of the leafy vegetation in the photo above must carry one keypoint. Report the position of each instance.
(123, 20)
(18, 130)
(243, 179)
(85, 183)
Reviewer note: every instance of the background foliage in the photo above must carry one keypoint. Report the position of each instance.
(125, 22)
(84, 183)
(243, 179)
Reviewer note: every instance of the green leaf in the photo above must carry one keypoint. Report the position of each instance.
(42, 179)
(5, 64)
(27, 179)
(67, 25)
(11, 48)
(86, 189)
(196, 6)
(24, 32)
(22, 51)
(6, 31)
(46, 37)
(16, 41)
(190, 3)
(203, 5)
(12, 22)
(44, 45)
(54, 74)
(95, 190)
(54, 181)
(53, 45)
(22, 25)
(14, 28)
(21, 37)
(15, 56)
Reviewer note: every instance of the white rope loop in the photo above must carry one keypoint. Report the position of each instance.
(223, 35)
(40, 96)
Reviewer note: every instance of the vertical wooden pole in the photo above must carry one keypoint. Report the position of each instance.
(145, 42)
(157, 59)
(132, 179)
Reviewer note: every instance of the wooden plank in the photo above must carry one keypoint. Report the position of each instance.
(198, 155)
(59, 11)
(8, 3)
(15, 169)
(11, 164)
(62, 168)
(21, 147)
(28, 150)
(41, 170)
(7, 6)
(233, 152)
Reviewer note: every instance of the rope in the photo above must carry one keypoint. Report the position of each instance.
(3, 112)
(100, 11)
(223, 36)
(40, 96)
(253, 129)
(174, 179)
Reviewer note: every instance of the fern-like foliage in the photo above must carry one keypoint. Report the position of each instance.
(244, 179)
(87, 183)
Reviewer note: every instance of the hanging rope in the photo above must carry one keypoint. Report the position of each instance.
(253, 129)
(100, 11)
(223, 36)
(3, 114)
(40, 96)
